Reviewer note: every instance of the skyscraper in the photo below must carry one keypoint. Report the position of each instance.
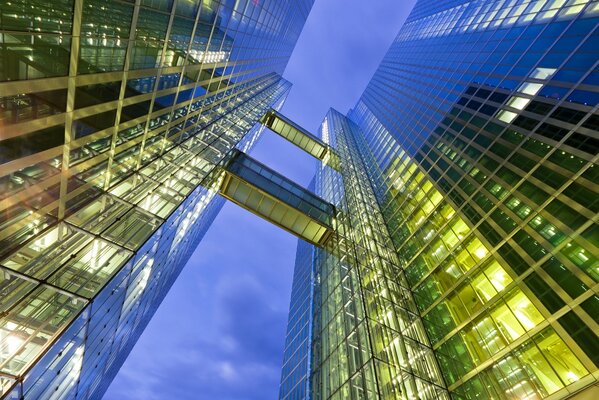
(115, 120)
(450, 242)
(468, 190)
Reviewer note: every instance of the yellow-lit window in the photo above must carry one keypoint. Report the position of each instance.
(518, 102)
(530, 88)
(427, 207)
(470, 299)
(460, 228)
(525, 311)
(485, 290)
(438, 250)
(449, 275)
(477, 249)
(532, 357)
(450, 238)
(411, 169)
(506, 116)
(447, 212)
(576, 6)
(419, 195)
(465, 260)
(416, 220)
(492, 340)
(426, 187)
(497, 275)
(474, 343)
(435, 197)
(543, 73)
(507, 322)
(565, 363)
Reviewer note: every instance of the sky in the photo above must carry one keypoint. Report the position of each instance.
(220, 332)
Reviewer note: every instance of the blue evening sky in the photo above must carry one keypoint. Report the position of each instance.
(220, 332)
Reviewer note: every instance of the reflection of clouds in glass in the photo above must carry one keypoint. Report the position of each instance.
(234, 295)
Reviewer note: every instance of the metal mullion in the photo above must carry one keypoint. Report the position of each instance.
(183, 71)
(71, 85)
(215, 115)
(203, 66)
(124, 75)
(226, 63)
(11, 88)
(40, 282)
(98, 77)
(95, 109)
(20, 163)
(140, 98)
(25, 127)
(161, 71)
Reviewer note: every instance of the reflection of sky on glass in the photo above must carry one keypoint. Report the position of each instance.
(219, 333)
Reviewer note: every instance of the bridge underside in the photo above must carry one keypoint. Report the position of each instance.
(270, 195)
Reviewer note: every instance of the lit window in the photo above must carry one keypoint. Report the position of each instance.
(525, 311)
(506, 116)
(530, 88)
(543, 73)
(518, 102)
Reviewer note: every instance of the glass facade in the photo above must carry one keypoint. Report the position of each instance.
(115, 118)
(453, 212)
(468, 245)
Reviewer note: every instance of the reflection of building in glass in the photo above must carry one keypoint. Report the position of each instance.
(114, 117)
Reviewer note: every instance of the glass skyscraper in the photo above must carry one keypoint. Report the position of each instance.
(115, 120)
(468, 193)
(450, 242)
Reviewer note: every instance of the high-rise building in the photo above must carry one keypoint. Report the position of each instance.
(115, 119)
(450, 241)
(467, 197)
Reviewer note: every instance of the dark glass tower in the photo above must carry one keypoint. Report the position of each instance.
(115, 118)
(468, 189)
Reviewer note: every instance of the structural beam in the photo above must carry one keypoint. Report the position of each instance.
(300, 137)
(277, 199)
